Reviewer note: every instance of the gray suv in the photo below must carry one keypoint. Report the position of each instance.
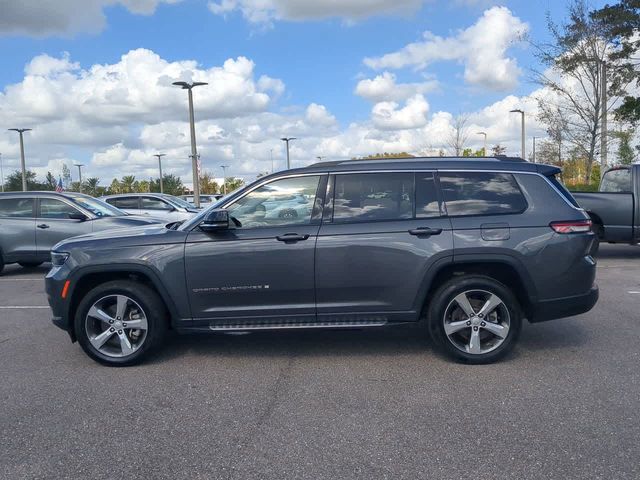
(468, 248)
(33, 222)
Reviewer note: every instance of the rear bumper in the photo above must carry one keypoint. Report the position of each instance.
(565, 307)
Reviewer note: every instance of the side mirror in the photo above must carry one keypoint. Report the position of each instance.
(215, 221)
(78, 216)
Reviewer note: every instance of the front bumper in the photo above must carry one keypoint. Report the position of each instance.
(565, 307)
(54, 285)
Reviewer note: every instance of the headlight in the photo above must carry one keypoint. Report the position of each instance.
(58, 258)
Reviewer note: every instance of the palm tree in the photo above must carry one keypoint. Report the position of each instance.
(91, 186)
(127, 185)
(115, 187)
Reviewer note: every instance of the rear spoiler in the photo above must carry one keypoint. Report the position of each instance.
(548, 170)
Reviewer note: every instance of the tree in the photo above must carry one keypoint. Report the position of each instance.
(50, 181)
(91, 186)
(208, 185)
(626, 154)
(128, 184)
(468, 152)
(385, 155)
(233, 183)
(66, 175)
(171, 185)
(573, 77)
(115, 187)
(547, 152)
(13, 182)
(459, 135)
(622, 23)
(498, 150)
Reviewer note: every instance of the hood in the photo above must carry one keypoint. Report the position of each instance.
(118, 237)
(124, 221)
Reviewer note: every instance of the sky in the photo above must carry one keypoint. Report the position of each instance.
(347, 78)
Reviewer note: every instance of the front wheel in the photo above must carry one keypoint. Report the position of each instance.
(475, 319)
(118, 323)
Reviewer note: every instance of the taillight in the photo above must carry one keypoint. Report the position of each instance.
(577, 226)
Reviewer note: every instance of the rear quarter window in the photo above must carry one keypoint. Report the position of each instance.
(481, 193)
(16, 207)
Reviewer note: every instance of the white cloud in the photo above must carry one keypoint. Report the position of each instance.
(384, 88)
(318, 115)
(388, 115)
(46, 17)
(265, 11)
(481, 48)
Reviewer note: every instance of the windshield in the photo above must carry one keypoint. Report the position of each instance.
(98, 207)
(178, 201)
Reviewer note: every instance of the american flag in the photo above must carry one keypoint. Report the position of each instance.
(59, 187)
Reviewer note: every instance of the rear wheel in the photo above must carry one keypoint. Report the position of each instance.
(475, 319)
(30, 264)
(119, 323)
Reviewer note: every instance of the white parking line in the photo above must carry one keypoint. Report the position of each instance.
(633, 291)
(17, 307)
(19, 279)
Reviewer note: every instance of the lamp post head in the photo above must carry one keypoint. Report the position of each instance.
(516, 110)
(20, 130)
(188, 86)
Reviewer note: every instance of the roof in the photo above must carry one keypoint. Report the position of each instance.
(428, 163)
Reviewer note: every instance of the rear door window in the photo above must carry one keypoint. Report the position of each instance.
(373, 196)
(52, 208)
(481, 193)
(130, 203)
(16, 207)
(152, 203)
(427, 203)
(616, 181)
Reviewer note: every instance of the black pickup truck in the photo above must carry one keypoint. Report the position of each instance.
(615, 209)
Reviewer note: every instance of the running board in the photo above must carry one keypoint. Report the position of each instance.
(225, 327)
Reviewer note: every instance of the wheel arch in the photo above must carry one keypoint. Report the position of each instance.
(503, 268)
(89, 277)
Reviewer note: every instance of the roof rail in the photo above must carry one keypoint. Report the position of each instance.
(499, 158)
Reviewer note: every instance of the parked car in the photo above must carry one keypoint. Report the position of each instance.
(166, 207)
(32, 222)
(205, 200)
(469, 247)
(615, 207)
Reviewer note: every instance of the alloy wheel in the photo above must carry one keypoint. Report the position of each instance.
(116, 326)
(476, 321)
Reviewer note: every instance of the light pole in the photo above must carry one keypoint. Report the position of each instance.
(484, 149)
(79, 165)
(534, 149)
(24, 168)
(194, 152)
(521, 112)
(271, 154)
(1, 173)
(160, 155)
(287, 140)
(224, 178)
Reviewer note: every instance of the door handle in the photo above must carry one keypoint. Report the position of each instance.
(43, 226)
(425, 231)
(292, 237)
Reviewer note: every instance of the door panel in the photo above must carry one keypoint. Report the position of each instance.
(264, 267)
(53, 225)
(372, 253)
(17, 228)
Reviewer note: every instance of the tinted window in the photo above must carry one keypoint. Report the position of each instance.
(283, 202)
(16, 207)
(563, 190)
(427, 204)
(373, 196)
(124, 202)
(479, 193)
(52, 208)
(150, 203)
(616, 181)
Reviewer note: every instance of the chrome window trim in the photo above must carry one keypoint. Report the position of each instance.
(80, 209)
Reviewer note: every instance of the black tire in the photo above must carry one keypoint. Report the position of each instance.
(30, 264)
(146, 298)
(442, 305)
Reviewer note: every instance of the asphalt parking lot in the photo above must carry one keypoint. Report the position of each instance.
(372, 404)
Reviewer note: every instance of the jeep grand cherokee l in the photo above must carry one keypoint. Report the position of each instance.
(468, 247)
